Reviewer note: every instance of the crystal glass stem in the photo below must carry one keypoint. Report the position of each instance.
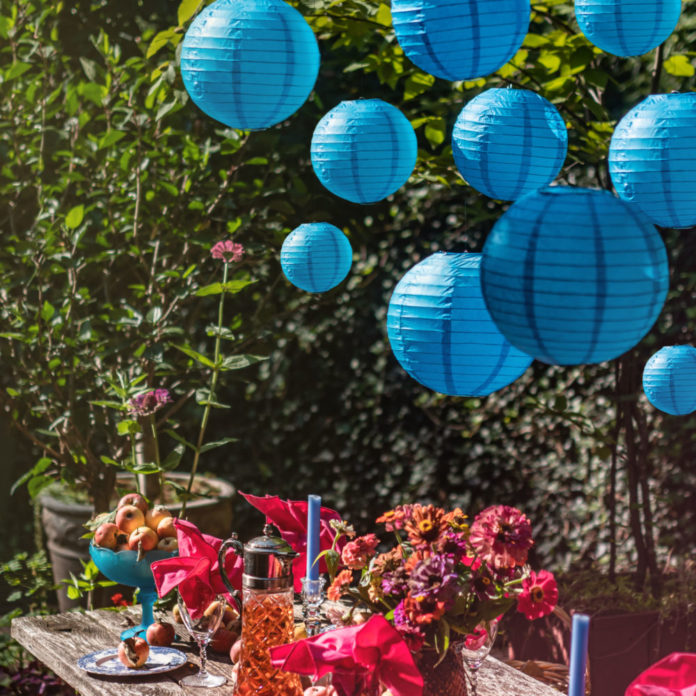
(312, 599)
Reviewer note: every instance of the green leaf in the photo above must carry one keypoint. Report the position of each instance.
(74, 218)
(161, 39)
(679, 66)
(232, 287)
(416, 84)
(38, 468)
(173, 434)
(110, 138)
(16, 70)
(47, 311)
(238, 362)
(173, 458)
(383, 15)
(218, 443)
(37, 484)
(187, 8)
(128, 427)
(435, 131)
(198, 357)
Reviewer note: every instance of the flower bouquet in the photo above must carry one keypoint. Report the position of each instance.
(443, 581)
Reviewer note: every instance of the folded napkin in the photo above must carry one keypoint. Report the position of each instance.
(374, 650)
(290, 516)
(674, 675)
(196, 571)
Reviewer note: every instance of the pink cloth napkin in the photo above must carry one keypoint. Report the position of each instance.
(374, 648)
(674, 675)
(196, 571)
(290, 516)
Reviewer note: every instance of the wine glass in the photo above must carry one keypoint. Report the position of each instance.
(475, 647)
(201, 629)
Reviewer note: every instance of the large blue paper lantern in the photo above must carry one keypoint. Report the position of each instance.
(574, 276)
(508, 142)
(441, 332)
(249, 63)
(627, 27)
(669, 380)
(316, 256)
(460, 39)
(652, 158)
(364, 150)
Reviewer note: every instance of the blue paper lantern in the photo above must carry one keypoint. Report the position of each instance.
(627, 27)
(508, 142)
(652, 158)
(441, 332)
(249, 63)
(316, 256)
(460, 39)
(669, 380)
(574, 276)
(364, 150)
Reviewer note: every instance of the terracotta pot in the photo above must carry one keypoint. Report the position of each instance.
(445, 679)
(63, 523)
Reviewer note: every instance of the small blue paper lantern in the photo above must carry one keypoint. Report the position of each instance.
(460, 39)
(508, 142)
(574, 276)
(627, 28)
(364, 150)
(441, 332)
(249, 63)
(669, 380)
(316, 256)
(652, 158)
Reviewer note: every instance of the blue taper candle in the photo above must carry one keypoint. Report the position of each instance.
(313, 517)
(578, 655)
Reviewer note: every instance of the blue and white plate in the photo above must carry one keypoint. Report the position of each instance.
(106, 662)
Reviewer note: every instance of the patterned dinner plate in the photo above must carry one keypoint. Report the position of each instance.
(106, 662)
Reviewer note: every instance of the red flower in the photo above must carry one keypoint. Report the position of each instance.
(396, 518)
(343, 579)
(118, 600)
(357, 553)
(501, 536)
(539, 595)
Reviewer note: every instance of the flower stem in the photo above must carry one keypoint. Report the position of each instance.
(134, 462)
(211, 392)
(155, 444)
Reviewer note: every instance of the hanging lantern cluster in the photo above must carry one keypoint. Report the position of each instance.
(627, 28)
(364, 150)
(574, 276)
(460, 39)
(441, 333)
(316, 256)
(508, 142)
(249, 63)
(652, 158)
(669, 380)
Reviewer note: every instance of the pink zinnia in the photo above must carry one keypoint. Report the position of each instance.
(356, 554)
(227, 251)
(501, 536)
(539, 595)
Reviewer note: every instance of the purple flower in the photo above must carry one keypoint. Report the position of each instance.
(452, 543)
(434, 579)
(149, 402)
(227, 251)
(395, 582)
(412, 634)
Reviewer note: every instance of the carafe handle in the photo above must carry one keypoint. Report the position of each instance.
(233, 543)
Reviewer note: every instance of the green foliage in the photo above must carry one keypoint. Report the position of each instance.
(30, 577)
(115, 186)
(86, 583)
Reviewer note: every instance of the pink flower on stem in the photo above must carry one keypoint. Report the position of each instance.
(227, 251)
(357, 553)
(149, 402)
(539, 595)
(501, 536)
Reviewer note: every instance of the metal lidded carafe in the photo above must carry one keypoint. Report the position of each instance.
(267, 613)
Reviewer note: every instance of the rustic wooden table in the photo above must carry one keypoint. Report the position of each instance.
(59, 640)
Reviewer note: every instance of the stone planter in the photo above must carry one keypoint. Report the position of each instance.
(63, 523)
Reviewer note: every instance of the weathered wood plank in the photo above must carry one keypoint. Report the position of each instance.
(60, 640)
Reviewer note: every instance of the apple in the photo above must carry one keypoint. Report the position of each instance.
(222, 640)
(229, 616)
(134, 499)
(143, 538)
(133, 652)
(176, 614)
(166, 528)
(236, 651)
(107, 535)
(160, 633)
(154, 516)
(129, 518)
(167, 544)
